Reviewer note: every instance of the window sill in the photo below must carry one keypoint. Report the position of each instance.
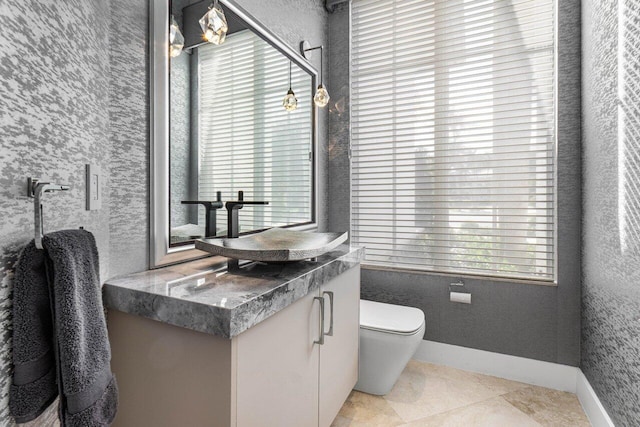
(547, 283)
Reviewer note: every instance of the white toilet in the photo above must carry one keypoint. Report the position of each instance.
(389, 337)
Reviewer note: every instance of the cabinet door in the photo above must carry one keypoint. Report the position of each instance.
(277, 368)
(339, 354)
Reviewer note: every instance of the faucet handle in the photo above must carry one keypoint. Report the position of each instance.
(206, 203)
(218, 196)
(237, 204)
(241, 199)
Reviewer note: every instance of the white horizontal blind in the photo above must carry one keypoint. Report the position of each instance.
(453, 132)
(248, 141)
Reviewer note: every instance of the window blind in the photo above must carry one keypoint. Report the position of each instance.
(453, 133)
(247, 140)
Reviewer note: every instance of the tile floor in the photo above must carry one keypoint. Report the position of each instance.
(432, 395)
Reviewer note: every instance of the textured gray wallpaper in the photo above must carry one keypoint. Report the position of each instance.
(339, 163)
(611, 224)
(525, 320)
(54, 63)
(129, 136)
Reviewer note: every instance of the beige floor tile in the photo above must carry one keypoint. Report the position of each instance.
(549, 407)
(499, 385)
(494, 412)
(363, 409)
(424, 390)
(432, 395)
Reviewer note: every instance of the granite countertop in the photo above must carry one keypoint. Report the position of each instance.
(205, 296)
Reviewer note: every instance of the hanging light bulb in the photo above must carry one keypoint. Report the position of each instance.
(321, 98)
(214, 24)
(176, 39)
(290, 102)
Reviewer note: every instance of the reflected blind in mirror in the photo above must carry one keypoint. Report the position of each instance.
(453, 133)
(247, 140)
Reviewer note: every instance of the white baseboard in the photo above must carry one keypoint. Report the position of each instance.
(591, 403)
(529, 371)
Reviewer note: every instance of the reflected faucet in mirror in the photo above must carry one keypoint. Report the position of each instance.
(233, 208)
(209, 212)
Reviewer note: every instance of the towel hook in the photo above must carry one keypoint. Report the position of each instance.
(35, 188)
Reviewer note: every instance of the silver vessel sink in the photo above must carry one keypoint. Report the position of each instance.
(274, 245)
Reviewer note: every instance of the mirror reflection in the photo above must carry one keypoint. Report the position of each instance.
(233, 129)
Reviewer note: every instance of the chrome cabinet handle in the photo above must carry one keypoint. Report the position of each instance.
(321, 339)
(330, 333)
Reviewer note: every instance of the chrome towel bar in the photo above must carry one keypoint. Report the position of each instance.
(35, 189)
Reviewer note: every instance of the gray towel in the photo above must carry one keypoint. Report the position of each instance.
(34, 374)
(60, 337)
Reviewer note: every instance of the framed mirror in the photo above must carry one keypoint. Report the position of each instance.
(219, 126)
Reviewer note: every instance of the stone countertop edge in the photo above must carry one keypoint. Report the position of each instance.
(145, 294)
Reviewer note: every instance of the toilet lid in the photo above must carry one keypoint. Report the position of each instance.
(390, 318)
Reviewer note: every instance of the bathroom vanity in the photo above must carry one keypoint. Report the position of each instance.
(267, 345)
(198, 343)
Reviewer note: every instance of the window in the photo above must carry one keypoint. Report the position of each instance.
(247, 140)
(453, 132)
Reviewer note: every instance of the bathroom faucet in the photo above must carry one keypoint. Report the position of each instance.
(233, 208)
(209, 212)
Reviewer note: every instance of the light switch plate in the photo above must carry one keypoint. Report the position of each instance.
(94, 191)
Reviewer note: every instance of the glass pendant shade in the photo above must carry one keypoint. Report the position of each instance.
(321, 98)
(214, 25)
(176, 39)
(290, 102)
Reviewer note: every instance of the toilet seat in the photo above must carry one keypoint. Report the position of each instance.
(391, 319)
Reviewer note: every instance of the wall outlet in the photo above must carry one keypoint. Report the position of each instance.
(94, 192)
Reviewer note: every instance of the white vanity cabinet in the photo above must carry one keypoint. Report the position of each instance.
(285, 376)
(339, 353)
(275, 373)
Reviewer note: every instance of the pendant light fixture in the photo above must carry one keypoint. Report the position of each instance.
(321, 98)
(214, 24)
(290, 102)
(176, 39)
